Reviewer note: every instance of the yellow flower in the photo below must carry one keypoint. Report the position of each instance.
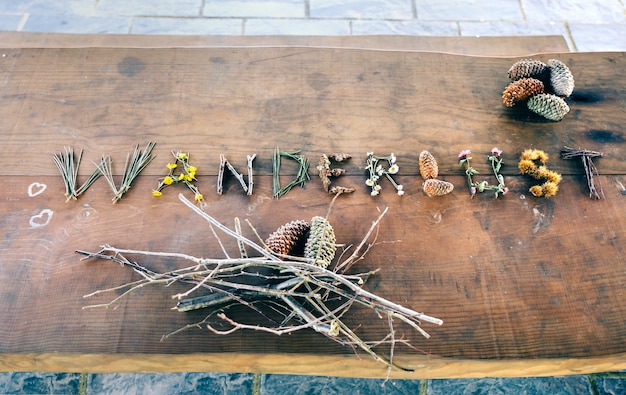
(541, 155)
(553, 177)
(542, 172)
(156, 193)
(536, 190)
(526, 166)
(528, 154)
(172, 166)
(188, 177)
(181, 177)
(168, 180)
(198, 197)
(191, 169)
(182, 156)
(550, 189)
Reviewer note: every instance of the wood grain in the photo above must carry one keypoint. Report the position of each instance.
(518, 278)
(485, 46)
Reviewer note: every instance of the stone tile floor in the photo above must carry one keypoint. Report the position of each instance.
(587, 25)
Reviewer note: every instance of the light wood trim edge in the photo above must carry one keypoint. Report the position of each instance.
(425, 367)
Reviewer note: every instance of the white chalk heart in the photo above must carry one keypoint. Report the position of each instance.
(42, 219)
(36, 188)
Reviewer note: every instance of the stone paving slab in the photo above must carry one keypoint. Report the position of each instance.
(10, 22)
(362, 9)
(169, 383)
(607, 11)
(466, 10)
(39, 383)
(410, 28)
(187, 26)
(489, 28)
(563, 385)
(76, 24)
(179, 8)
(613, 383)
(297, 27)
(256, 9)
(587, 25)
(596, 37)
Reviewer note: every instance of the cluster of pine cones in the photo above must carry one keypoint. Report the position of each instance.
(299, 238)
(542, 85)
(429, 170)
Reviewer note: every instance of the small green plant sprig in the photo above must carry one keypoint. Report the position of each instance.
(495, 158)
(376, 170)
(187, 176)
(303, 171)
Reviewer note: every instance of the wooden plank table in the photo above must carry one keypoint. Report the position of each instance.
(485, 46)
(525, 285)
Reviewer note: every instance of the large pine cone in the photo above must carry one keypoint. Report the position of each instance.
(428, 165)
(561, 79)
(521, 90)
(320, 244)
(286, 238)
(549, 106)
(527, 68)
(434, 187)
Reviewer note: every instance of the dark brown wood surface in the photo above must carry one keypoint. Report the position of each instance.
(486, 46)
(514, 279)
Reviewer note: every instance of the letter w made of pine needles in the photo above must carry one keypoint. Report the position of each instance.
(305, 292)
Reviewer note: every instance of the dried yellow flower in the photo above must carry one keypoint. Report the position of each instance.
(536, 190)
(549, 189)
(526, 166)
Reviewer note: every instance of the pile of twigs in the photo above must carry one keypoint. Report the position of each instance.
(302, 294)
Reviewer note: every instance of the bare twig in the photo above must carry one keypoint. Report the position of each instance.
(586, 156)
(293, 289)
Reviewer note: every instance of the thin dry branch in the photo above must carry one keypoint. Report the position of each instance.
(303, 294)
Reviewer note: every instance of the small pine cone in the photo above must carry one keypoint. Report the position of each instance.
(527, 68)
(320, 245)
(549, 106)
(521, 90)
(561, 79)
(287, 237)
(434, 187)
(428, 165)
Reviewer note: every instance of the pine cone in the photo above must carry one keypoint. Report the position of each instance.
(428, 165)
(285, 239)
(434, 187)
(561, 78)
(549, 106)
(527, 68)
(320, 245)
(521, 90)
